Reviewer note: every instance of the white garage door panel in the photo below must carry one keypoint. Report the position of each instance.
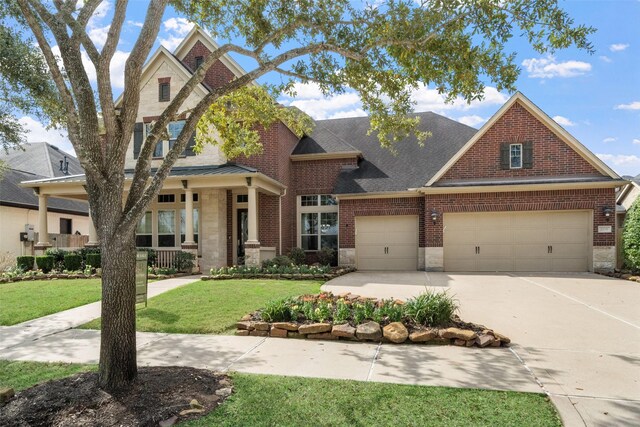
(387, 242)
(517, 241)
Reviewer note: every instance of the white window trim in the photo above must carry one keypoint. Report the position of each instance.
(521, 157)
(165, 142)
(314, 209)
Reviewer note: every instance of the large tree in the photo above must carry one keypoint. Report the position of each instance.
(382, 51)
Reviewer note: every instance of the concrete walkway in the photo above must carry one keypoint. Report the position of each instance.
(579, 334)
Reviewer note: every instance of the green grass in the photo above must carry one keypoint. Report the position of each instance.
(22, 301)
(261, 400)
(212, 307)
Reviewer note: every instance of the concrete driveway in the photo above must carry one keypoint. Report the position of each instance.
(579, 334)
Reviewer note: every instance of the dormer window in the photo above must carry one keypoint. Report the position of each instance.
(515, 156)
(164, 92)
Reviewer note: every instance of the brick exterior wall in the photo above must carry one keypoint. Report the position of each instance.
(217, 75)
(551, 156)
(595, 199)
(318, 176)
(268, 230)
(349, 209)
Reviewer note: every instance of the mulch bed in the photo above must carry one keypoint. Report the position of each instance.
(157, 397)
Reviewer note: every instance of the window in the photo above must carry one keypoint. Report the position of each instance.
(164, 92)
(199, 61)
(183, 197)
(515, 156)
(318, 222)
(242, 198)
(65, 226)
(166, 229)
(166, 198)
(144, 232)
(173, 131)
(183, 216)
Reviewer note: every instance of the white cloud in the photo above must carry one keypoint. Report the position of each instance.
(636, 140)
(176, 29)
(135, 23)
(427, 99)
(563, 121)
(38, 133)
(622, 163)
(548, 68)
(635, 105)
(609, 139)
(605, 58)
(473, 120)
(99, 35)
(358, 112)
(618, 47)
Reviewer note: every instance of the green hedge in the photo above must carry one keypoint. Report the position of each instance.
(72, 262)
(94, 260)
(631, 236)
(25, 263)
(45, 263)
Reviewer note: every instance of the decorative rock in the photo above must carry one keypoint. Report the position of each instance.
(256, 333)
(169, 422)
(625, 276)
(423, 335)
(191, 411)
(460, 343)
(314, 328)
(279, 333)
(470, 343)
(440, 341)
(322, 336)
(485, 340)
(6, 393)
(345, 331)
(395, 332)
(261, 326)
(369, 331)
(224, 383)
(295, 335)
(195, 404)
(462, 334)
(289, 326)
(496, 343)
(242, 333)
(352, 297)
(246, 317)
(502, 338)
(245, 325)
(224, 392)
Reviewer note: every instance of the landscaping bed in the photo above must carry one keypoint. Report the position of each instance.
(633, 276)
(429, 318)
(293, 272)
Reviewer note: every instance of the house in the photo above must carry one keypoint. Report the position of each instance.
(626, 197)
(520, 194)
(19, 205)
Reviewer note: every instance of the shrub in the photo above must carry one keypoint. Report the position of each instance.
(94, 260)
(45, 263)
(183, 261)
(72, 262)
(152, 256)
(342, 313)
(327, 256)
(279, 261)
(85, 252)
(278, 311)
(58, 257)
(631, 236)
(298, 256)
(25, 263)
(431, 308)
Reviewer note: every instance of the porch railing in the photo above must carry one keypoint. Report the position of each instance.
(165, 257)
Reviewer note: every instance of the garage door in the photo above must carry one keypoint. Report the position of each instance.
(387, 242)
(517, 241)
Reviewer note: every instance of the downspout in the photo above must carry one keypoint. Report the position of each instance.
(283, 194)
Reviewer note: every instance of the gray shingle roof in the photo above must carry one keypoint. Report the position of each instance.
(40, 158)
(322, 141)
(12, 194)
(382, 171)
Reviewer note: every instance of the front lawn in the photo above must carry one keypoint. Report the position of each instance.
(212, 307)
(260, 400)
(22, 301)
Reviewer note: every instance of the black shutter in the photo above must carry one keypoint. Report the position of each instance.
(504, 156)
(137, 139)
(192, 143)
(527, 155)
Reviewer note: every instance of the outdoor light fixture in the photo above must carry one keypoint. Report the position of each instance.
(248, 181)
(607, 212)
(434, 216)
(64, 166)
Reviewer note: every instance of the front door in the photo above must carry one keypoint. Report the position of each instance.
(242, 232)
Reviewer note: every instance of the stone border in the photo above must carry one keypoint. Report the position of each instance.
(276, 276)
(56, 276)
(395, 332)
(622, 274)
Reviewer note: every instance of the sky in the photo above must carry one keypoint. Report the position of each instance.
(595, 97)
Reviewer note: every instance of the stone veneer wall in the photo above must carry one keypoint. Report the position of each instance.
(213, 204)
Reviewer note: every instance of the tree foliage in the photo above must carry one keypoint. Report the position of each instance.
(631, 236)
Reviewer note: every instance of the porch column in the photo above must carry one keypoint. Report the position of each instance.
(189, 245)
(93, 234)
(43, 229)
(252, 245)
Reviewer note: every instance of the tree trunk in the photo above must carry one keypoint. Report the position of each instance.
(118, 366)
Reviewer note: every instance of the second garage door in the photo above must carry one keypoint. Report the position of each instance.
(517, 241)
(387, 242)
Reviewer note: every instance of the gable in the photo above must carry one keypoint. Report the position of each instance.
(555, 153)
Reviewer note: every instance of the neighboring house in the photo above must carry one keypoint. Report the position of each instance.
(625, 199)
(19, 205)
(520, 194)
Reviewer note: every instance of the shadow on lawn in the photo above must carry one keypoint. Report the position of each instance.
(158, 315)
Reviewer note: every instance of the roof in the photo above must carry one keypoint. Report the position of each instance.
(12, 194)
(528, 180)
(380, 170)
(226, 169)
(40, 158)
